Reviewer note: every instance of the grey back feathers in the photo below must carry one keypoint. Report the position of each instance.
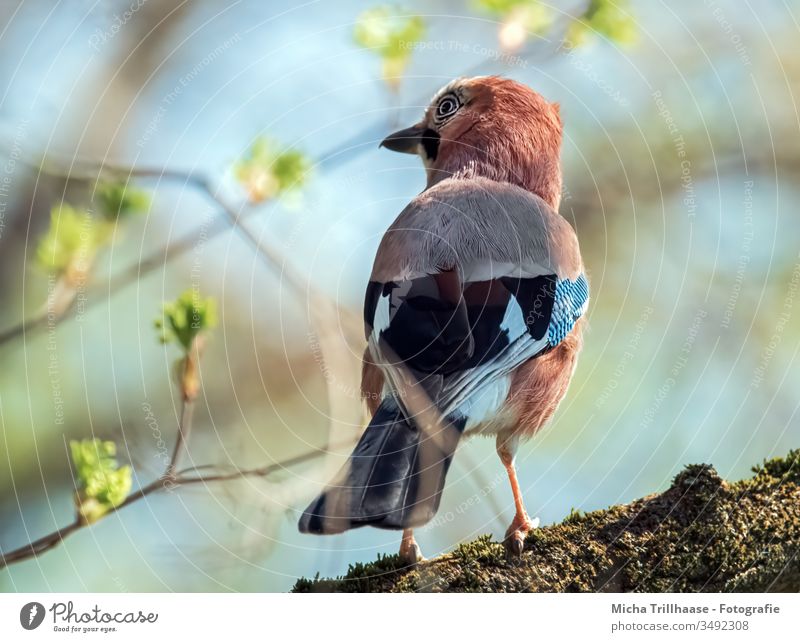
(468, 223)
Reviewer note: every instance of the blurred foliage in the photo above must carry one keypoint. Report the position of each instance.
(519, 17)
(185, 318)
(68, 247)
(392, 34)
(117, 200)
(504, 7)
(609, 18)
(266, 170)
(102, 483)
(184, 321)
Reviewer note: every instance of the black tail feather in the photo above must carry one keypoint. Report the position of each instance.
(393, 479)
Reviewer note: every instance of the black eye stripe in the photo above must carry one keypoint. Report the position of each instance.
(430, 142)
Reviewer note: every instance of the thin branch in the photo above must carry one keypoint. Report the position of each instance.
(118, 282)
(182, 440)
(189, 386)
(90, 171)
(186, 243)
(166, 482)
(39, 546)
(38, 322)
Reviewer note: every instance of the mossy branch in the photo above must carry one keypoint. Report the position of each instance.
(701, 534)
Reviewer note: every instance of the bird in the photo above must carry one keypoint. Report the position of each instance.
(474, 312)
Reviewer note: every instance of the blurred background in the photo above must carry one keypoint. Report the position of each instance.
(681, 164)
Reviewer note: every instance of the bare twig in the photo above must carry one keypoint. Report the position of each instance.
(38, 322)
(189, 387)
(39, 546)
(184, 430)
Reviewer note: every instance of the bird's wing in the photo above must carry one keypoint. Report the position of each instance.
(473, 279)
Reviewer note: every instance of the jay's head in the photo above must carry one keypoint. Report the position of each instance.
(488, 126)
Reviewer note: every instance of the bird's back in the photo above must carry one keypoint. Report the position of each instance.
(474, 222)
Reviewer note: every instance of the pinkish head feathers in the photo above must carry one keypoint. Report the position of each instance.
(493, 127)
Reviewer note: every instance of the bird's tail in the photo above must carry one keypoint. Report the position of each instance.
(393, 479)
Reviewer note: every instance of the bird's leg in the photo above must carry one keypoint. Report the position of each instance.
(410, 552)
(515, 535)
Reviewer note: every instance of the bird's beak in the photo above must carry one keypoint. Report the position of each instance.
(406, 140)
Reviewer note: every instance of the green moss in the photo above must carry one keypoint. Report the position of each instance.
(408, 583)
(360, 578)
(701, 534)
(780, 468)
(574, 516)
(477, 560)
(482, 550)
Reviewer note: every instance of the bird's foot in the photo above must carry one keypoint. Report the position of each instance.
(516, 533)
(410, 552)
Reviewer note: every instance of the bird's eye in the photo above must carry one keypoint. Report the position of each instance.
(447, 106)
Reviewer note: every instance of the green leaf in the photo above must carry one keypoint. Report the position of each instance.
(267, 170)
(185, 318)
(609, 18)
(72, 238)
(391, 33)
(102, 483)
(502, 7)
(117, 200)
(69, 246)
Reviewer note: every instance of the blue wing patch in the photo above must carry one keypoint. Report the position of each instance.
(570, 302)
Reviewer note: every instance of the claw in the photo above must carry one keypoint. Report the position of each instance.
(410, 552)
(516, 533)
(516, 544)
(412, 555)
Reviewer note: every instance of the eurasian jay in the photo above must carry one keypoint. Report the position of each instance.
(473, 312)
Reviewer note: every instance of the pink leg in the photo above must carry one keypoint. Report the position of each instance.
(521, 524)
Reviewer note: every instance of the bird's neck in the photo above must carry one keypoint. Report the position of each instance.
(537, 173)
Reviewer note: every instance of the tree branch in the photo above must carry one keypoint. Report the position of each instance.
(182, 439)
(702, 534)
